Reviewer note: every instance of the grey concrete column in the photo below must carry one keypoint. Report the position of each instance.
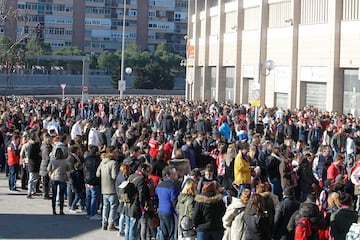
(220, 70)
(296, 10)
(206, 78)
(263, 56)
(197, 83)
(238, 81)
(335, 87)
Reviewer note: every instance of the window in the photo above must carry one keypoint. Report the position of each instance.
(314, 11)
(278, 13)
(152, 13)
(351, 9)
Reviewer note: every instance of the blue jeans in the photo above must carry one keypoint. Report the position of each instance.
(33, 179)
(12, 176)
(62, 188)
(110, 204)
(69, 193)
(122, 223)
(215, 235)
(92, 197)
(276, 187)
(242, 187)
(167, 226)
(78, 197)
(131, 228)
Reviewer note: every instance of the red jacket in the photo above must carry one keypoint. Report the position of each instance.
(168, 149)
(154, 147)
(334, 170)
(13, 154)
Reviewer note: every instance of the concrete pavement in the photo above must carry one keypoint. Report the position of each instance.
(22, 218)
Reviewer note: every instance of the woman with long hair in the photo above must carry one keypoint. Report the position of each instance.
(256, 219)
(185, 207)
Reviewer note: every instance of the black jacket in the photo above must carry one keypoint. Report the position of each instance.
(77, 179)
(168, 124)
(258, 227)
(208, 212)
(91, 164)
(283, 212)
(141, 199)
(311, 211)
(34, 155)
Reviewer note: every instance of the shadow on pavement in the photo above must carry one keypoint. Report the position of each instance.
(33, 226)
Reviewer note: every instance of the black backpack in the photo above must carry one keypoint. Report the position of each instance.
(128, 191)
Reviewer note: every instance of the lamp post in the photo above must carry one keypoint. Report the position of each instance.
(269, 65)
(121, 82)
(183, 63)
(128, 71)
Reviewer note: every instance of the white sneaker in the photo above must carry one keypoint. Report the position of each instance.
(81, 210)
(96, 217)
(72, 211)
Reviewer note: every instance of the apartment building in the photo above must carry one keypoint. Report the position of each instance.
(96, 25)
(312, 43)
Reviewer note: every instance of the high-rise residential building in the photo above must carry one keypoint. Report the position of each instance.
(96, 25)
(312, 43)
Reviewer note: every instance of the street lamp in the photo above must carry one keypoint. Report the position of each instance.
(121, 84)
(183, 63)
(269, 65)
(128, 70)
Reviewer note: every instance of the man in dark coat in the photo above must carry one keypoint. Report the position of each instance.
(283, 212)
(34, 160)
(92, 183)
(168, 126)
(311, 211)
(134, 211)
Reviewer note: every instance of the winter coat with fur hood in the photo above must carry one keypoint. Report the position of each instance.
(208, 212)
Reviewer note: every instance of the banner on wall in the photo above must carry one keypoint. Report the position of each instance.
(190, 49)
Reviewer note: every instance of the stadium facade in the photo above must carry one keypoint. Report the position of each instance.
(313, 45)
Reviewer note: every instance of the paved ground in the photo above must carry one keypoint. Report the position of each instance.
(22, 218)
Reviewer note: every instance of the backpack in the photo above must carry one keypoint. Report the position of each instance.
(186, 223)
(302, 229)
(128, 191)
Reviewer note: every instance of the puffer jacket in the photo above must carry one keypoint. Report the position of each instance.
(208, 212)
(59, 170)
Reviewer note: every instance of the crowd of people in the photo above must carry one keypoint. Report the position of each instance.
(176, 169)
